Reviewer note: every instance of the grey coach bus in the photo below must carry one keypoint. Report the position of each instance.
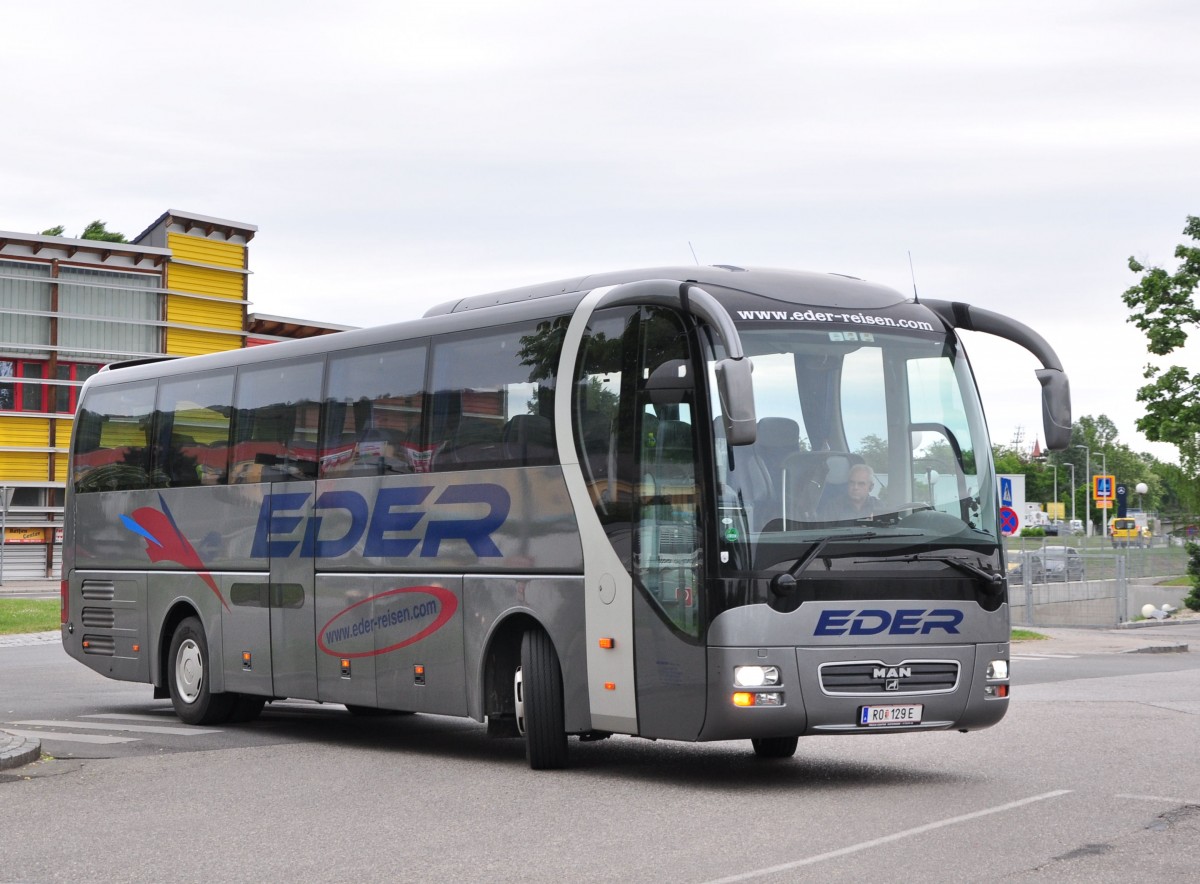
(682, 503)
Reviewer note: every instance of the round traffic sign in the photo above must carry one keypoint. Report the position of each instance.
(1009, 523)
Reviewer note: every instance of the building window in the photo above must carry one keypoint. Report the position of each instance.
(39, 396)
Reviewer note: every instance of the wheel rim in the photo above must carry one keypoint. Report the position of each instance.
(519, 701)
(189, 671)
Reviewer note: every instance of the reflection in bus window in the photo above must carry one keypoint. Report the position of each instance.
(193, 433)
(373, 425)
(492, 401)
(112, 447)
(275, 423)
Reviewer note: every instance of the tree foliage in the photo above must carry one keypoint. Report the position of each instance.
(1163, 306)
(1170, 493)
(97, 230)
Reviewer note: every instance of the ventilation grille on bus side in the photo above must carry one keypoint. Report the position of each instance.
(100, 645)
(99, 590)
(98, 618)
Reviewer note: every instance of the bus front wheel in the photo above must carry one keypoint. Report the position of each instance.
(774, 747)
(188, 677)
(539, 697)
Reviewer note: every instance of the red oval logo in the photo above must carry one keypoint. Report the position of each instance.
(390, 621)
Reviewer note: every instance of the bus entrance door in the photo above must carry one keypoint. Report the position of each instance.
(293, 613)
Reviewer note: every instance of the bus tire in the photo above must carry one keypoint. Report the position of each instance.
(774, 747)
(188, 677)
(542, 695)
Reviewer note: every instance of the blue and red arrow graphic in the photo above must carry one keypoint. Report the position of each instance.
(165, 542)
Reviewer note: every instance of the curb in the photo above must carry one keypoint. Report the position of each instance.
(16, 751)
(1159, 649)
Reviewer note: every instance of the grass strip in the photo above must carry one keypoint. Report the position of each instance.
(28, 615)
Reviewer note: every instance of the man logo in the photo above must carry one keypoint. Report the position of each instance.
(896, 672)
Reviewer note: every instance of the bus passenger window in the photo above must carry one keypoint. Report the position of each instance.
(112, 447)
(275, 422)
(194, 417)
(492, 398)
(373, 407)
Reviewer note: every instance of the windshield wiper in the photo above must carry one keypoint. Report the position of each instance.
(783, 584)
(993, 580)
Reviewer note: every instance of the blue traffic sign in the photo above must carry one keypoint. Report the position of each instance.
(1006, 496)
(1009, 523)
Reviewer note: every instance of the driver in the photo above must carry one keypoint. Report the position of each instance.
(858, 502)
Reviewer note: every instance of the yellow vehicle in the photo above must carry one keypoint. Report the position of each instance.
(1127, 532)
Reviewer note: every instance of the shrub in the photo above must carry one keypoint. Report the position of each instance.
(1033, 532)
(1193, 569)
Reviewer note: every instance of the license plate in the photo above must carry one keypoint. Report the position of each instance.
(882, 716)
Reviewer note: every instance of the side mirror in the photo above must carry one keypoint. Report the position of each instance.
(1056, 408)
(736, 390)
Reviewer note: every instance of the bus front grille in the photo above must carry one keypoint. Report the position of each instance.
(876, 678)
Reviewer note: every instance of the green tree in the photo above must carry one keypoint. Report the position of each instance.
(97, 230)
(1162, 306)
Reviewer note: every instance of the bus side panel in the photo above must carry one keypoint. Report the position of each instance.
(557, 604)
(410, 628)
(192, 529)
(672, 677)
(246, 630)
(108, 624)
(165, 590)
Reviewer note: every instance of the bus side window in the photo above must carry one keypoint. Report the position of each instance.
(668, 539)
(595, 408)
(194, 417)
(492, 401)
(276, 411)
(112, 450)
(374, 402)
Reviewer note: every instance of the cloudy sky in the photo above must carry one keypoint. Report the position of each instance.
(397, 154)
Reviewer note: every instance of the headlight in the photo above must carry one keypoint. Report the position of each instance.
(997, 669)
(755, 676)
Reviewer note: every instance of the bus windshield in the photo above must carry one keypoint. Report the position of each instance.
(870, 435)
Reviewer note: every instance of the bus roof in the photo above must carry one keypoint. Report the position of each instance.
(792, 286)
(533, 302)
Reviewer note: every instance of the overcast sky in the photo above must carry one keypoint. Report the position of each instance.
(395, 155)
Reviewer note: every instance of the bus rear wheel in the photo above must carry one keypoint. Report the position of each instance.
(188, 676)
(539, 697)
(774, 747)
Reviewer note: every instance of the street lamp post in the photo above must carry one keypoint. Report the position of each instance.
(1072, 467)
(1104, 472)
(1087, 478)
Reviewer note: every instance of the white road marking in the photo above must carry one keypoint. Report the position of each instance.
(1163, 799)
(181, 731)
(67, 738)
(888, 839)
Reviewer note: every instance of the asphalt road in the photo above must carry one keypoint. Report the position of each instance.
(1091, 777)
